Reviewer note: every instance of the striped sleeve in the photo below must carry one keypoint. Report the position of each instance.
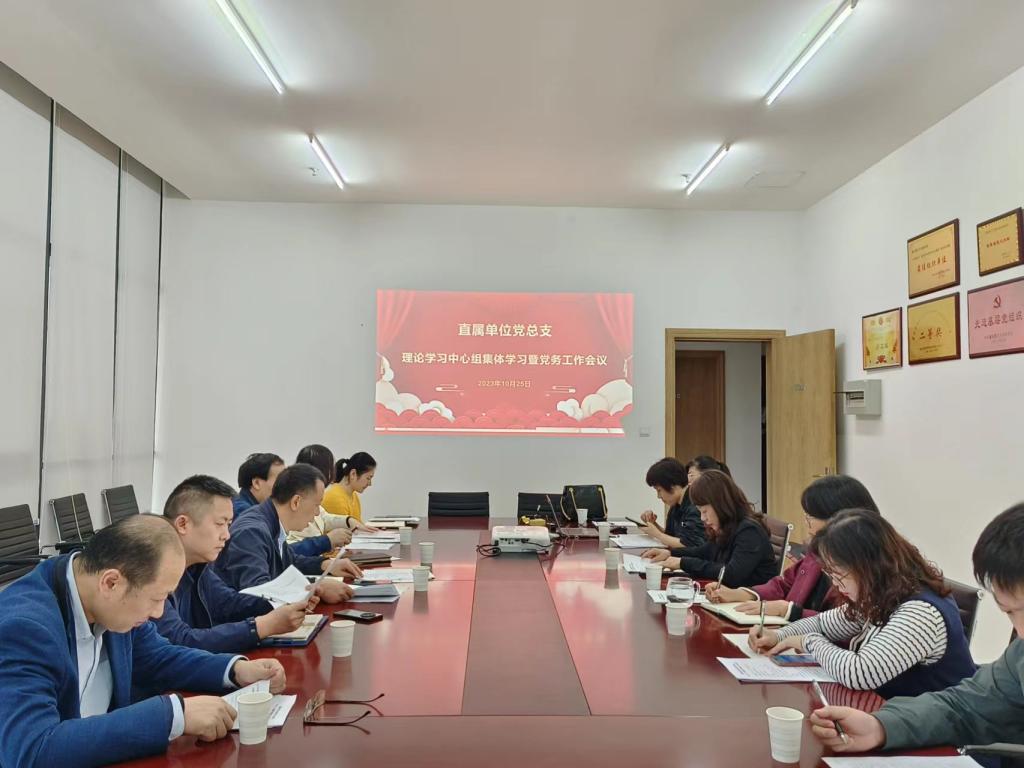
(915, 633)
(832, 624)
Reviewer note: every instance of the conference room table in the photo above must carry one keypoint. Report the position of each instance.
(522, 660)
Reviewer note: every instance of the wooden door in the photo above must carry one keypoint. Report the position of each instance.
(700, 404)
(801, 420)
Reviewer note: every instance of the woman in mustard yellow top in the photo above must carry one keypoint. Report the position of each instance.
(354, 476)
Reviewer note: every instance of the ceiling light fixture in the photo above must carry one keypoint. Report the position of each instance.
(709, 166)
(835, 21)
(314, 142)
(250, 42)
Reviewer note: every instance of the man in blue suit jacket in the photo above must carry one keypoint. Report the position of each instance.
(204, 612)
(256, 478)
(257, 551)
(75, 637)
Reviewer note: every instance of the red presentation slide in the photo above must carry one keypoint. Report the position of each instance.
(504, 363)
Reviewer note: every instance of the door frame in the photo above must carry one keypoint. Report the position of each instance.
(672, 335)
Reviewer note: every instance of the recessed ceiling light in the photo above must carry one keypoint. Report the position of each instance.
(250, 42)
(835, 21)
(709, 166)
(328, 164)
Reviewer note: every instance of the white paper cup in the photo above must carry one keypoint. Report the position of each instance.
(785, 727)
(611, 558)
(581, 516)
(420, 578)
(253, 714)
(426, 552)
(342, 635)
(604, 531)
(654, 572)
(676, 617)
(405, 535)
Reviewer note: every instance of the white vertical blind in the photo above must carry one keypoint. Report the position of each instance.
(78, 433)
(24, 169)
(135, 361)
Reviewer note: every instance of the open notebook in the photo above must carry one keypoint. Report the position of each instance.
(304, 635)
(728, 611)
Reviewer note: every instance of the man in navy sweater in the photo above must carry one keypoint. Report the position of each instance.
(257, 551)
(256, 478)
(75, 636)
(204, 612)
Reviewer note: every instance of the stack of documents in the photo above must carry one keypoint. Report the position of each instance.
(634, 563)
(380, 541)
(636, 541)
(394, 575)
(280, 705)
(377, 521)
(952, 761)
(374, 593)
(764, 670)
(290, 587)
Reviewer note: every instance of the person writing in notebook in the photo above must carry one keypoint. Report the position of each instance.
(738, 539)
(897, 631)
(257, 551)
(354, 475)
(76, 638)
(256, 477)
(326, 531)
(203, 611)
(803, 589)
(683, 526)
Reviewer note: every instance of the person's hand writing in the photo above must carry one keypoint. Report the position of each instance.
(248, 672)
(863, 731)
(768, 640)
(208, 718)
(718, 594)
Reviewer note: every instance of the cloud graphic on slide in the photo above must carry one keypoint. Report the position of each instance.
(571, 408)
(611, 398)
(399, 402)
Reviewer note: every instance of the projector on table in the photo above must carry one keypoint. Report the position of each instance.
(521, 538)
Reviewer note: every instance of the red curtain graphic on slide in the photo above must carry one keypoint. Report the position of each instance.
(504, 363)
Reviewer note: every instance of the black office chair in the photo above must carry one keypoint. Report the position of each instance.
(967, 599)
(534, 504)
(588, 497)
(74, 524)
(19, 543)
(781, 532)
(120, 503)
(472, 504)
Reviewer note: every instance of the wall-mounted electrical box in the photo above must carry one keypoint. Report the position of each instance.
(862, 398)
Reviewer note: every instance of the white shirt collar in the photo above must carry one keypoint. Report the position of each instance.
(82, 629)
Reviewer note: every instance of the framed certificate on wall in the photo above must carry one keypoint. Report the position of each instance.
(882, 339)
(1000, 243)
(933, 260)
(995, 319)
(933, 330)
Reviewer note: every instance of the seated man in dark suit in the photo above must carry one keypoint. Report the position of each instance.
(75, 636)
(257, 551)
(204, 612)
(256, 478)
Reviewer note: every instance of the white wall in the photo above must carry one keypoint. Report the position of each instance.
(268, 329)
(742, 412)
(945, 456)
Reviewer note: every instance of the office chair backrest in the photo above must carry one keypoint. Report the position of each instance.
(71, 513)
(967, 599)
(543, 504)
(120, 503)
(471, 504)
(781, 532)
(19, 542)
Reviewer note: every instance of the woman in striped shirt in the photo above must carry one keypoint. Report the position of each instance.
(898, 631)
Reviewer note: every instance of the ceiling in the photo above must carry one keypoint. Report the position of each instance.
(532, 102)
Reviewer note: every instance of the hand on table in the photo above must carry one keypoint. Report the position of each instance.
(753, 607)
(656, 555)
(863, 731)
(342, 567)
(334, 591)
(357, 525)
(208, 718)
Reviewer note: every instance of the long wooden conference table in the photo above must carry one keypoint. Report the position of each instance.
(523, 660)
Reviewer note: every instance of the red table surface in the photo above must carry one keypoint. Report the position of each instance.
(524, 660)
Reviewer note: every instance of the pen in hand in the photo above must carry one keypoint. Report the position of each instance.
(824, 702)
(760, 628)
(721, 575)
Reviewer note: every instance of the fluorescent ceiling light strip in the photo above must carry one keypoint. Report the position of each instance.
(842, 14)
(709, 166)
(314, 142)
(250, 42)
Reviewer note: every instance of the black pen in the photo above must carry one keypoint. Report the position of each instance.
(824, 702)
